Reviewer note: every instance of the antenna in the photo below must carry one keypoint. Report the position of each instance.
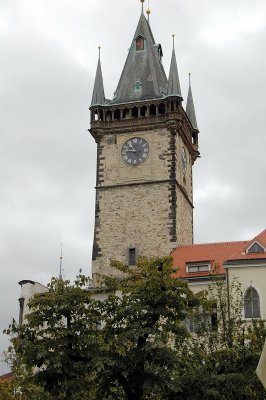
(61, 258)
(173, 35)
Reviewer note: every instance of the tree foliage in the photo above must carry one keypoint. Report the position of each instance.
(129, 340)
(6, 390)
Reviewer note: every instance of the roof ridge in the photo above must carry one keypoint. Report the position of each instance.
(212, 243)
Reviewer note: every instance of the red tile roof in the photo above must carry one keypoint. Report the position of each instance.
(6, 377)
(215, 254)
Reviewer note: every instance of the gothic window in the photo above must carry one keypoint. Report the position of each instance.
(132, 256)
(251, 303)
(140, 43)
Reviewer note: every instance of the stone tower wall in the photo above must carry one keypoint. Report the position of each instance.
(148, 207)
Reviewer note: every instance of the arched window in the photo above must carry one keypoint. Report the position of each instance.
(140, 43)
(251, 303)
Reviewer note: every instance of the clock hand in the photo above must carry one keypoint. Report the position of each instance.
(132, 151)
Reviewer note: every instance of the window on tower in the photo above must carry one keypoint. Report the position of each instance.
(137, 86)
(140, 43)
(132, 256)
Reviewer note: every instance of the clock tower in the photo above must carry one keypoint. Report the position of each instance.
(146, 147)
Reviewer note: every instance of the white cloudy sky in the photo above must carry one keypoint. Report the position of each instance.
(48, 57)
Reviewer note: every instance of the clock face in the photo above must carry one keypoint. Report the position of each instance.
(184, 160)
(135, 151)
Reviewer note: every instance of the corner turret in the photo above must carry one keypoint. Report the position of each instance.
(98, 96)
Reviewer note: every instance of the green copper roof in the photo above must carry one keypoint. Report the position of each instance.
(190, 109)
(142, 67)
(98, 97)
(173, 81)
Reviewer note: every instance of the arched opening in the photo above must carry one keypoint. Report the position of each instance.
(117, 114)
(251, 303)
(195, 137)
(96, 116)
(101, 115)
(161, 109)
(126, 113)
(108, 116)
(135, 112)
(152, 109)
(172, 106)
(143, 111)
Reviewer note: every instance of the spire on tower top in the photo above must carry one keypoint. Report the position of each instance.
(98, 96)
(142, 6)
(173, 88)
(190, 109)
(143, 75)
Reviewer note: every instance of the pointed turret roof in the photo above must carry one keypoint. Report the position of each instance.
(98, 97)
(190, 109)
(143, 76)
(173, 81)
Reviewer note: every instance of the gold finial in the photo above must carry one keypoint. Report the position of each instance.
(148, 11)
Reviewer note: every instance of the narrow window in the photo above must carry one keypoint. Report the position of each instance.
(132, 256)
(21, 309)
(251, 303)
(139, 43)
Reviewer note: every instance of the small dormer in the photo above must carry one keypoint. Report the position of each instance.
(196, 267)
(254, 248)
(140, 43)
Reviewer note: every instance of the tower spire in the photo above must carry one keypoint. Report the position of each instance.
(173, 88)
(190, 109)
(143, 75)
(98, 96)
(142, 6)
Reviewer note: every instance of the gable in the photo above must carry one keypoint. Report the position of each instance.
(255, 248)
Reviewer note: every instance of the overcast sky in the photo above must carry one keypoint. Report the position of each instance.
(48, 58)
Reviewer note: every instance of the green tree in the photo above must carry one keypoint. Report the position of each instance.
(63, 353)
(224, 357)
(129, 340)
(6, 390)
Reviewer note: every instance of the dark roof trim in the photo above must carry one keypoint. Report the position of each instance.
(24, 281)
(245, 261)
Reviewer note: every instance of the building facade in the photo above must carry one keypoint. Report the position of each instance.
(244, 261)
